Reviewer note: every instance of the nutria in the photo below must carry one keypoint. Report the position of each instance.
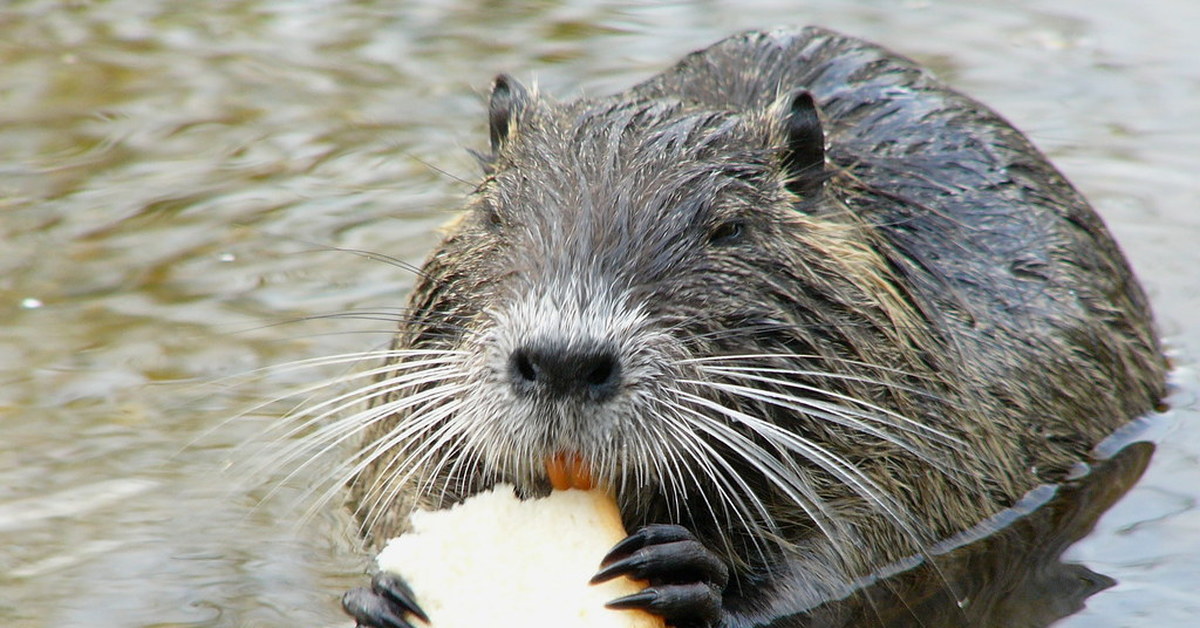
(802, 307)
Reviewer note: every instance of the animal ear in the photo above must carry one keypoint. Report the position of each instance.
(508, 99)
(804, 154)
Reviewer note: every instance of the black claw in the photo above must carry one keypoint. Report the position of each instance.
(643, 599)
(627, 546)
(397, 590)
(371, 610)
(653, 534)
(695, 604)
(674, 562)
(387, 604)
(612, 570)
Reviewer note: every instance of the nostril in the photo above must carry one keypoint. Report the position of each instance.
(600, 371)
(524, 367)
(602, 376)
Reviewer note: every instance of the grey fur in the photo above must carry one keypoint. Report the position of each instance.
(815, 385)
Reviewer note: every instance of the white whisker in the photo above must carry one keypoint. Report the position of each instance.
(841, 415)
(793, 357)
(340, 431)
(837, 466)
(731, 499)
(784, 476)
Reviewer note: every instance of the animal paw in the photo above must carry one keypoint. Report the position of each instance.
(387, 604)
(686, 579)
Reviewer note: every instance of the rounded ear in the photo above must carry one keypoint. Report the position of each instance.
(804, 154)
(504, 108)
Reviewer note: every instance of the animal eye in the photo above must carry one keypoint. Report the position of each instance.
(491, 216)
(726, 232)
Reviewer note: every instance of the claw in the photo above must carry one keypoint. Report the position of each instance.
(627, 546)
(612, 570)
(387, 604)
(673, 562)
(695, 604)
(653, 534)
(642, 599)
(369, 609)
(397, 590)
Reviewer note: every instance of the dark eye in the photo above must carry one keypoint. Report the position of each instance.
(726, 232)
(491, 217)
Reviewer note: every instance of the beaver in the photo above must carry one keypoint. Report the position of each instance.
(802, 307)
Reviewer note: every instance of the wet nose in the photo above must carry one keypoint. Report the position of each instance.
(590, 372)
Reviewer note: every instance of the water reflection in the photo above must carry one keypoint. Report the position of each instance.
(1014, 577)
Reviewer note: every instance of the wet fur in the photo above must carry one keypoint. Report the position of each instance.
(824, 371)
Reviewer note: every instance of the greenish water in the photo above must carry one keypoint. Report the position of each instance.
(175, 179)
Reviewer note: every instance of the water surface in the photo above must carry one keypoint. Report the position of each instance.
(181, 185)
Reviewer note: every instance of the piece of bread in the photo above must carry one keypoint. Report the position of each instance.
(495, 560)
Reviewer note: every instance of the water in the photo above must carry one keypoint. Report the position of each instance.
(175, 177)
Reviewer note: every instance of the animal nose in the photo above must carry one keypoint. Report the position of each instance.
(590, 372)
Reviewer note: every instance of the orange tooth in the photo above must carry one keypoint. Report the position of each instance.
(568, 471)
(556, 468)
(580, 474)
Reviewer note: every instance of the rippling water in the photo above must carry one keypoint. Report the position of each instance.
(182, 187)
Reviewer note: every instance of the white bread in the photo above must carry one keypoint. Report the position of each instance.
(495, 560)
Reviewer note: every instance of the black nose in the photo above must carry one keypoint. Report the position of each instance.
(590, 372)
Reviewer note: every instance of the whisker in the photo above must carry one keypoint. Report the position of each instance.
(416, 423)
(374, 256)
(344, 473)
(907, 424)
(848, 417)
(319, 412)
(310, 363)
(415, 462)
(774, 470)
(380, 387)
(730, 498)
(335, 434)
(840, 468)
(791, 357)
(823, 375)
